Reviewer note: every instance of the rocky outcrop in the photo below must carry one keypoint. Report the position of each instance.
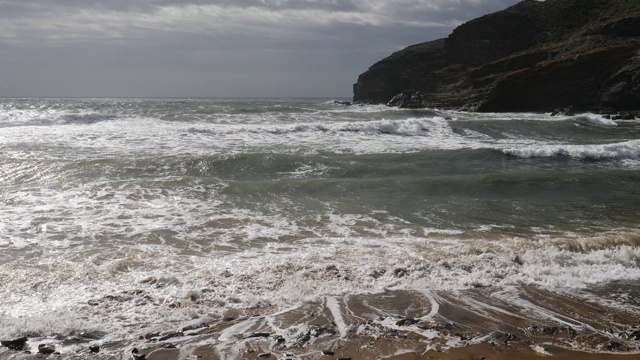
(409, 100)
(533, 56)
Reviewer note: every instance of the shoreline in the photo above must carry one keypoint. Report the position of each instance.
(479, 323)
(610, 114)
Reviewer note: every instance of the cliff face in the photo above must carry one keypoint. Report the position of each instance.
(533, 56)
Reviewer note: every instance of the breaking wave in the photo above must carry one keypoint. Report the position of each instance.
(622, 150)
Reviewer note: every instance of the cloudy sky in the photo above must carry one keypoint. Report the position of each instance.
(211, 48)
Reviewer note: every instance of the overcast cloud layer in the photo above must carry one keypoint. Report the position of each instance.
(198, 48)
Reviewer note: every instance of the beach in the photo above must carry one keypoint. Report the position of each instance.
(482, 323)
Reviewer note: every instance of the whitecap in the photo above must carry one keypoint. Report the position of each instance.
(623, 150)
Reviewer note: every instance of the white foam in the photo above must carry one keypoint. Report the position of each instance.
(334, 308)
(129, 257)
(254, 278)
(622, 150)
(599, 120)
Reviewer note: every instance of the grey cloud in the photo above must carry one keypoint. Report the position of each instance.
(211, 48)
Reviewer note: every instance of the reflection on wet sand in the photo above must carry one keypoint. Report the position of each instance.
(490, 323)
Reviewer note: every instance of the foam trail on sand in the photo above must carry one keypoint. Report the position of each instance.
(334, 308)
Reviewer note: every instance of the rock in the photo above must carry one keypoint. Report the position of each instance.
(94, 349)
(195, 327)
(16, 344)
(150, 336)
(614, 346)
(561, 56)
(259, 334)
(279, 339)
(504, 338)
(517, 258)
(406, 322)
(377, 273)
(46, 349)
(563, 112)
(327, 352)
(137, 355)
(633, 335)
(170, 335)
(540, 350)
(624, 116)
(542, 329)
(345, 103)
(409, 100)
(400, 272)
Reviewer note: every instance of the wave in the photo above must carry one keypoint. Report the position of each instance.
(15, 118)
(167, 288)
(596, 119)
(86, 119)
(402, 127)
(622, 150)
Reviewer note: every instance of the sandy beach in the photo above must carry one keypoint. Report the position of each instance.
(481, 323)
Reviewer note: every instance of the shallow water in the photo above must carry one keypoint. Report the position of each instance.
(124, 216)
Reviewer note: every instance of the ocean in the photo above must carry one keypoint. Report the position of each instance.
(124, 220)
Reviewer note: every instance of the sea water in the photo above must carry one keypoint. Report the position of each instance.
(121, 217)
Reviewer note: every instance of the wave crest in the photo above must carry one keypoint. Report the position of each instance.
(623, 150)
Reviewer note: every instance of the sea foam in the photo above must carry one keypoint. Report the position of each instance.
(622, 150)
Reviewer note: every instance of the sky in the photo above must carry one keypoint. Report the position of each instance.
(211, 48)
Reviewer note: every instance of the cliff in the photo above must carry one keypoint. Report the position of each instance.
(533, 56)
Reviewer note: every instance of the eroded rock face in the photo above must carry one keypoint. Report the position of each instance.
(399, 72)
(533, 56)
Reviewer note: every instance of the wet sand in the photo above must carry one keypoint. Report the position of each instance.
(481, 323)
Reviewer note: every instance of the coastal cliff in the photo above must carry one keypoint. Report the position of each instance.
(576, 55)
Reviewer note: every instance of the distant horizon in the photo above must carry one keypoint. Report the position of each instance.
(213, 48)
(177, 97)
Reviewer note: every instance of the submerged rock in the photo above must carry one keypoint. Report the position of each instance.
(561, 56)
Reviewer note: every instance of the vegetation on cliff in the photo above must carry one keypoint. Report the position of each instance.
(533, 56)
